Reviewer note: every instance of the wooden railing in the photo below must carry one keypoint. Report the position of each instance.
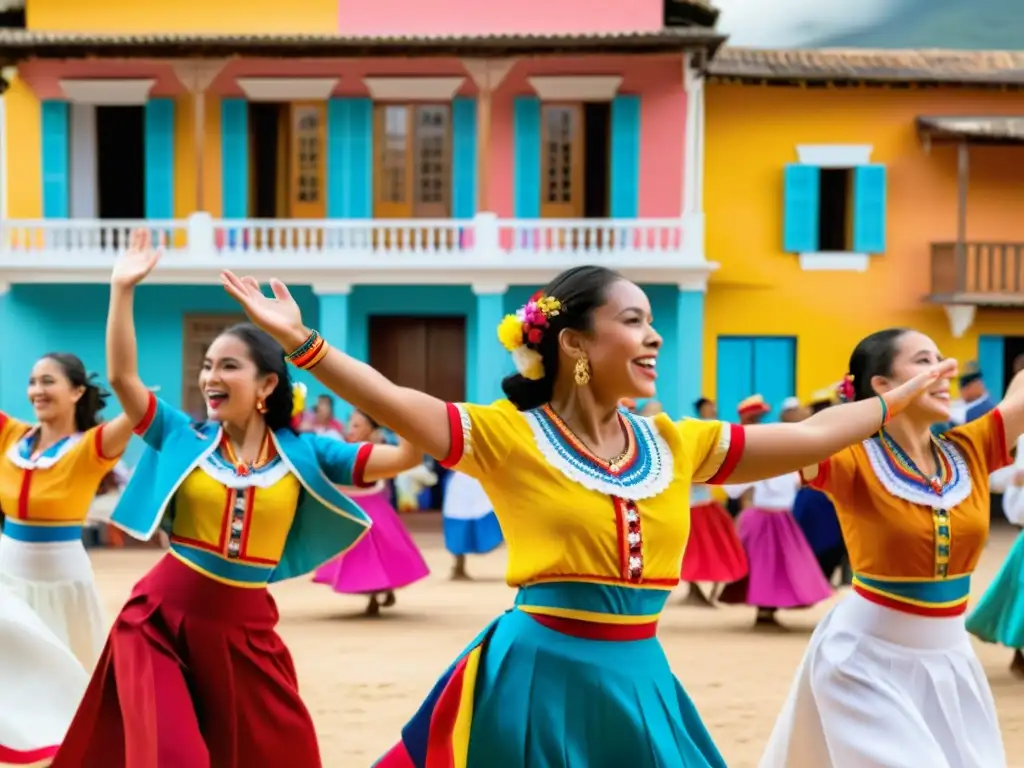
(978, 273)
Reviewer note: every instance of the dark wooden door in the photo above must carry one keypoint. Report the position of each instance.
(424, 353)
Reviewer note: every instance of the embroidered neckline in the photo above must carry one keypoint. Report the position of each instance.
(268, 469)
(951, 488)
(902, 464)
(20, 453)
(644, 471)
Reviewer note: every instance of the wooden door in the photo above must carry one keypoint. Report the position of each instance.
(198, 333)
(424, 353)
(561, 161)
(393, 158)
(307, 170)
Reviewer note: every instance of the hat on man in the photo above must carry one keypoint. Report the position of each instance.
(752, 406)
(971, 373)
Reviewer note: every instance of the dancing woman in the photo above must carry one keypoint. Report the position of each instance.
(890, 679)
(594, 502)
(194, 673)
(51, 623)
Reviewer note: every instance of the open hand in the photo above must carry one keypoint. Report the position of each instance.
(898, 398)
(138, 261)
(279, 316)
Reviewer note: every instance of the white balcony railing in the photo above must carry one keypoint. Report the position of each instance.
(485, 241)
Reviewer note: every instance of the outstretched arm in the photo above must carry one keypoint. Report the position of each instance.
(771, 450)
(387, 461)
(420, 418)
(1012, 409)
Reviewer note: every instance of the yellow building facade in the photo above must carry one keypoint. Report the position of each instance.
(839, 203)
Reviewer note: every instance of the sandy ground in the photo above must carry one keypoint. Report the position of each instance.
(363, 677)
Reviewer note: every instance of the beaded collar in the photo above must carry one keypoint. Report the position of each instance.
(266, 471)
(20, 454)
(898, 475)
(644, 470)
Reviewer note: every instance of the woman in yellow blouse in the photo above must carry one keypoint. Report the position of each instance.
(593, 501)
(889, 679)
(194, 674)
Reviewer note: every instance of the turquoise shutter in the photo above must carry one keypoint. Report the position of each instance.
(526, 176)
(159, 158)
(234, 157)
(56, 195)
(350, 158)
(774, 371)
(625, 157)
(869, 209)
(801, 207)
(991, 357)
(734, 379)
(464, 160)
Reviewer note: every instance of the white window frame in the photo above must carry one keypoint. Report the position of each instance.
(834, 156)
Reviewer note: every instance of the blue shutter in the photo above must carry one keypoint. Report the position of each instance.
(734, 379)
(337, 176)
(234, 157)
(869, 209)
(464, 159)
(56, 195)
(774, 371)
(159, 154)
(526, 130)
(800, 218)
(625, 157)
(991, 357)
(349, 158)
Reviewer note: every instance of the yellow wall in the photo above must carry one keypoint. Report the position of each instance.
(753, 132)
(209, 16)
(24, 152)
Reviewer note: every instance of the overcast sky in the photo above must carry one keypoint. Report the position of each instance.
(770, 23)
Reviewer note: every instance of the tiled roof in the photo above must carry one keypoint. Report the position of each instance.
(1003, 129)
(16, 45)
(865, 65)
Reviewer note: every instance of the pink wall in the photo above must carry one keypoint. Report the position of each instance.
(658, 80)
(476, 17)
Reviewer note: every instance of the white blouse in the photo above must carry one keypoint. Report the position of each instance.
(773, 493)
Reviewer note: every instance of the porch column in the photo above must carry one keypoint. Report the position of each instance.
(333, 300)
(488, 75)
(197, 76)
(693, 162)
(678, 401)
(7, 74)
(489, 362)
(8, 348)
(962, 175)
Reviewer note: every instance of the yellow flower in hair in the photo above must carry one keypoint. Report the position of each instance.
(549, 305)
(510, 332)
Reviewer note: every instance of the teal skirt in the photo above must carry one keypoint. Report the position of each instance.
(526, 696)
(999, 616)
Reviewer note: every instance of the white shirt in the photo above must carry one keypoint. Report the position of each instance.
(773, 493)
(1013, 496)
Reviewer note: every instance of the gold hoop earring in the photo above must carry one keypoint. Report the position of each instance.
(582, 372)
(261, 407)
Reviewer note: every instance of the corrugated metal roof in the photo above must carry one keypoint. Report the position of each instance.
(24, 44)
(864, 65)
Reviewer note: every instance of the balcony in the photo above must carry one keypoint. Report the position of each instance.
(485, 249)
(978, 274)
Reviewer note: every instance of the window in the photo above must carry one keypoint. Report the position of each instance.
(755, 365)
(412, 161)
(561, 161)
(308, 160)
(834, 206)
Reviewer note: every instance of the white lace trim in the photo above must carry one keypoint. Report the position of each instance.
(902, 489)
(45, 461)
(637, 483)
(264, 477)
(467, 429)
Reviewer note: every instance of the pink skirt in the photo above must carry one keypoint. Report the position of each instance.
(385, 559)
(783, 570)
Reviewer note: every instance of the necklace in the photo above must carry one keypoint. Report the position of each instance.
(902, 462)
(613, 464)
(243, 468)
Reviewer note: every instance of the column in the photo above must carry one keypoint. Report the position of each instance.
(8, 395)
(689, 351)
(197, 76)
(333, 300)
(488, 360)
(488, 75)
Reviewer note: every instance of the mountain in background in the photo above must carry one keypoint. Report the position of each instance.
(962, 24)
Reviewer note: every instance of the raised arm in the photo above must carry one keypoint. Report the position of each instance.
(418, 417)
(122, 350)
(387, 461)
(1012, 409)
(770, 450)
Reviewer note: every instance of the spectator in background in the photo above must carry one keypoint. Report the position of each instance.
(321, 420)
(974, 394)
(706, 408)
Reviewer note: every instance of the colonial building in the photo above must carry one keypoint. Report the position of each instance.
(415, 174)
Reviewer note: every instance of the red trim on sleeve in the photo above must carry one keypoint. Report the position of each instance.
(147, 420)
(820, 480)
(359, 468)
(3, 419)
(737, 439)
(458, 440)
(98, 439)
(1005, 459)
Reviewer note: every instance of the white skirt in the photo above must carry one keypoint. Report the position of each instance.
(882, 689)
(41, 684)
(55, 579)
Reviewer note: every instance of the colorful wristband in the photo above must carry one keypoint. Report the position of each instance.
(886, 415)
(310, 353)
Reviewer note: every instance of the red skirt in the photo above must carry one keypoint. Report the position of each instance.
(714, 552)
(193, 674)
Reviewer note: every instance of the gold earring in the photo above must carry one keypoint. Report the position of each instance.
(582, 371)
(261, 407)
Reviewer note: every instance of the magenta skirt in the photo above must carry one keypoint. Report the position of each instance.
(783, 570)
(386, 558)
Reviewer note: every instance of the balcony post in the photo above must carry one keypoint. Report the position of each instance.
(962, 172)
(197, 76)
(487, 74)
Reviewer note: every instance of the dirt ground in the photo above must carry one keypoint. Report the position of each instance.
(363, 677)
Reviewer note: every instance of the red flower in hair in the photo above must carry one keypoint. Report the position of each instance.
(534, 335)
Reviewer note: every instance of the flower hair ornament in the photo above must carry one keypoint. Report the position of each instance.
(523, 332)
(845, 390)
